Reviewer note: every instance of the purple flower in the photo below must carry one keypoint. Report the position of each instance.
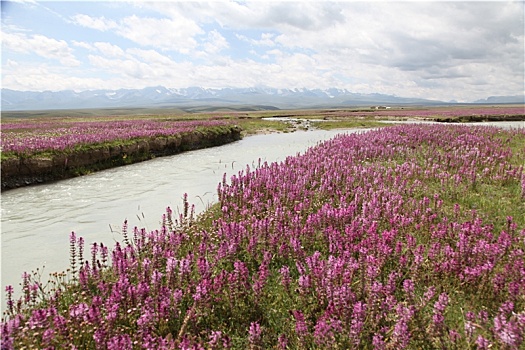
(408, 287)
(254, 334)
(78, 310)
(120, 342)
(215, 339)
(482, 343)
(285, 276)
(300, 325)
(282, 342)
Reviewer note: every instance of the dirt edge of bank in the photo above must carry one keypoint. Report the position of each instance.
(20, 172)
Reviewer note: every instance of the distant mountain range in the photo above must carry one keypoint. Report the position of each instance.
(184, 98)
(502, 99)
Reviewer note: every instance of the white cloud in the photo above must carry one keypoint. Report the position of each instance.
(143, 68)
(175, 34)
(266, 39)
(98, 23)
(150, 56)
(12, 64)
(83, 45)
(26, 76)
(109, 49)
(215, 43)
(262, 15)
(125, 67)
(25, 1)
(40, 45)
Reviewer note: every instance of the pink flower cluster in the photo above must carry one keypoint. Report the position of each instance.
(35, 136)
(364, 241)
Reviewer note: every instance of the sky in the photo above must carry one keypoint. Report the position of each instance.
(444, 50)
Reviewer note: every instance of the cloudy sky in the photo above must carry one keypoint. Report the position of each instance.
(438, 50)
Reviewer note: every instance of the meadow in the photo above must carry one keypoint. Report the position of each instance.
(449, 114)
(30, 137)
(411, 236)
(30, 133)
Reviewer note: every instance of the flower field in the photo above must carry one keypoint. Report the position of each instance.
(456, 113)
(26, 138)
(410, 236)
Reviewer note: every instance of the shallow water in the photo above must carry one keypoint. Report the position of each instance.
(37, 221)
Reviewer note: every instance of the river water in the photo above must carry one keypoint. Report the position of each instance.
(36, 221)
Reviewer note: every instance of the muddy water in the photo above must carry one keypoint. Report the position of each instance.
(36, 221)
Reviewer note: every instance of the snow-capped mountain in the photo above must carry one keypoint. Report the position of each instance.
(160, 96)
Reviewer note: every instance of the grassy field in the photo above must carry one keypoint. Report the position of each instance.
(409, 236)
(35, 133)
(251, 119)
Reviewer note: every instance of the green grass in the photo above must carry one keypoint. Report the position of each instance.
(252, 126)
(346, 124)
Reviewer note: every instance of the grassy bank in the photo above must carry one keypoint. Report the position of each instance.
(48, 150)
(404, 237)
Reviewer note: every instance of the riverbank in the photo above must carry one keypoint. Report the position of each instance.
(26, 171)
